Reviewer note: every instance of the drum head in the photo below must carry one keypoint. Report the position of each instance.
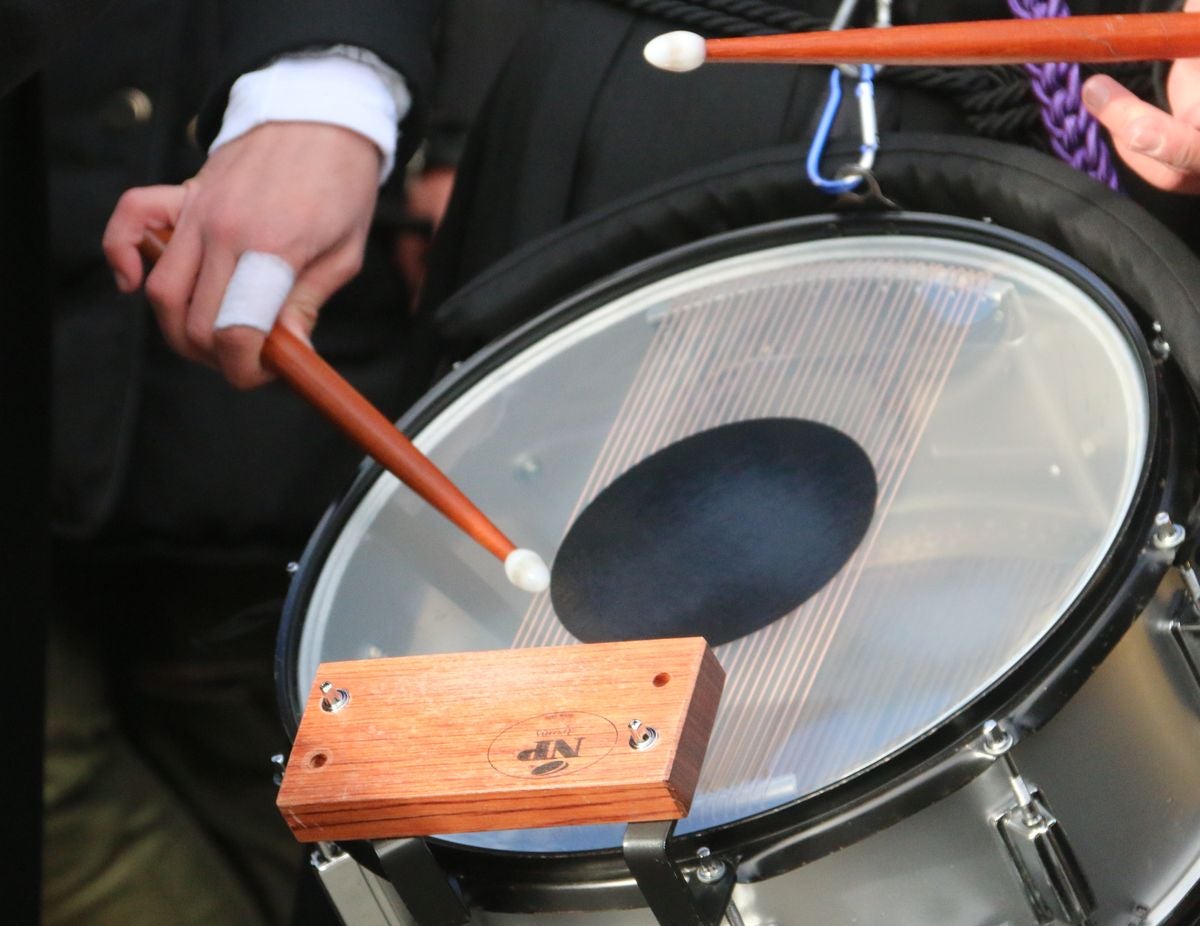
(992, 384)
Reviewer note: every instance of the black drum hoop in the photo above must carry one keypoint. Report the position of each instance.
(924, 771)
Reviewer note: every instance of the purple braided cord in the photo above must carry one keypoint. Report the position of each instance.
(1075, 136)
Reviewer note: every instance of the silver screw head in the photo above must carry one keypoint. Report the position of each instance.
(335, 698)
(1167, 535)
(996, 740)
(710, 869)
(641, 737)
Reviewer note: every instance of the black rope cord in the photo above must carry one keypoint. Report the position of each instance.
(996, 101)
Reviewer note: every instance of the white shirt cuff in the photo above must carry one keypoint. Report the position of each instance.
(341, 85)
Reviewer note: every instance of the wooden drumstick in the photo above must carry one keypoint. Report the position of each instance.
(324, 388)
(1124, 37)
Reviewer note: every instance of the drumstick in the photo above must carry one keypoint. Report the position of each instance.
(1123, 37)
(324, 388)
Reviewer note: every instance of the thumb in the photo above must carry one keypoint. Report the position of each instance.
(136, 211)
(1163, 150)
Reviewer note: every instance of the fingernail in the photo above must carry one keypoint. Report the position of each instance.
(1095, 94)
(122, 281)
(1145, 140)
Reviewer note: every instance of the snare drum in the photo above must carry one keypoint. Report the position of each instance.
(988, 716)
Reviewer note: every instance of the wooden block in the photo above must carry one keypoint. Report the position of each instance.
(509, 739)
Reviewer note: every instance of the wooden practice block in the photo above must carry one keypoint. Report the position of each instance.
(508, 739)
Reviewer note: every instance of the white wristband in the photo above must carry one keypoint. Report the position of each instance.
(256, 292)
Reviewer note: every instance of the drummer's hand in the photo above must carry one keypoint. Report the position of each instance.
(304, 192)
(1162, 149)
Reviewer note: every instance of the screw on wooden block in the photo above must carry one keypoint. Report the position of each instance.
(641, 736)
(335, 698)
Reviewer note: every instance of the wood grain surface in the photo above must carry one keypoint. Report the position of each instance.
(507, 739)
(1122, 37)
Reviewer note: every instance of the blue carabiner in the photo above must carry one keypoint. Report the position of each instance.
(865, 92)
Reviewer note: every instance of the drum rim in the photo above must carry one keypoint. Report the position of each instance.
(1027, 696)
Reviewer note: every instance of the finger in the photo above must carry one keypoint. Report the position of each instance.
(239, 355)
(320, 280)
(169, 288)
(211, 283)
(136, 211)
(257, 289)
(239, 347)
(1162, 150)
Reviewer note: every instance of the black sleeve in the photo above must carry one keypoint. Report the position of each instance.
(255, 31)
(32, 30)
(475, 38)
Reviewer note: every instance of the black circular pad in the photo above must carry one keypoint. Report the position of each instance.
(717, 535)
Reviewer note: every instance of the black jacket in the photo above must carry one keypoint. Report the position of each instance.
(151, 452)
(578, 121)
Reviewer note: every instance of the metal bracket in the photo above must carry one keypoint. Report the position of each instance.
(428, 893)
(1055, 886)
(359, 896)
(672, 898)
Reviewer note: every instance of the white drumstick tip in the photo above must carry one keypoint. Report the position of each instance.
(676, 51)
(527, 571)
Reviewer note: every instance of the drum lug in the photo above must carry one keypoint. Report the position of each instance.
(1159, 345)
(1191, 586)
(1054, 883)
(672, 898)
(1185, 625)
(359, 895)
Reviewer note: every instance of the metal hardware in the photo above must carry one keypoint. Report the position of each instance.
(710, 870)
(673, 899)
(292, 568)
(1191, 584)
(429, 895)
(279, 760)
(1055, 886)
(1159, 345)
(359, 895)
(641, 737)
(734, 916)
(1167, 535)
(867, 119)
(996, 738)
(333, 703)
(865, 91)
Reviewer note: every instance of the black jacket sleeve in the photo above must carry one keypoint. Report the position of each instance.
(255, 31)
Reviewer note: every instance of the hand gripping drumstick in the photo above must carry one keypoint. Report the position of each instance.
(324, 388)
(1132, 37)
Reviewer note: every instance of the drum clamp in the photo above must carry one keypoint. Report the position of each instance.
(672, 898)
(1054, 883)
(358, 894)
